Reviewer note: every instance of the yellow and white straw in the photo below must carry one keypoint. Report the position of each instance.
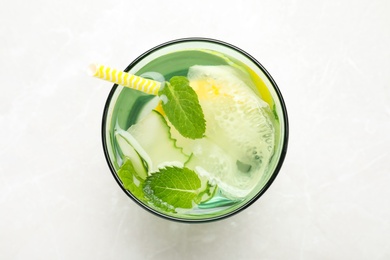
(125, 79)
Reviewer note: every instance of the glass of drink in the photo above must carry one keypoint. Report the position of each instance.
(209, 176)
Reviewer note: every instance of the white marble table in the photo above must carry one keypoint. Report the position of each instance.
(331, 60)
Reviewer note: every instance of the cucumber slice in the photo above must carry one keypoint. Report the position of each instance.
(122, 139)
(152, 134)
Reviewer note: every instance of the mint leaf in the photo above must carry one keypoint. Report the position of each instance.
(173, 187)
(130, 179)
(182, 108)
(275, 113)
(206, 194)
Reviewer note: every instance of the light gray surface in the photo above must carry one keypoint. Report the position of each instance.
(331, 60)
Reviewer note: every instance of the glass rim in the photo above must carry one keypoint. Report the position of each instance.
(283, 149)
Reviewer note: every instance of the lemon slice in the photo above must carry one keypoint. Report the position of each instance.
(239, 132)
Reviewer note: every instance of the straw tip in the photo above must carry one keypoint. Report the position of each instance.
(92, 69)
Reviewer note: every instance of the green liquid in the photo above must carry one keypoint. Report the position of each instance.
(132, 104)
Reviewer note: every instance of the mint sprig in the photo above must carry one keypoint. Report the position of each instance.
(181, 105)
(168, 189)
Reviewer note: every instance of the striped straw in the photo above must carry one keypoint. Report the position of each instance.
(124, 79)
